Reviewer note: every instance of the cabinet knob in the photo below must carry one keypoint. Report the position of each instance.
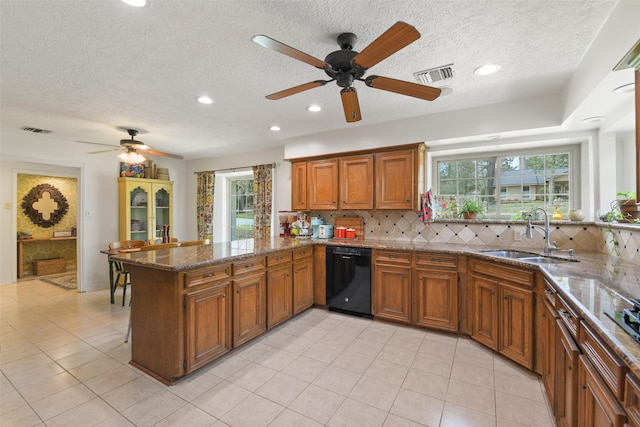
(238, 291)
(583, 386)
(224, 295)
(568, 367)
(209, 275)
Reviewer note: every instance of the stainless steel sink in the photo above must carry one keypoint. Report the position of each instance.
(510, 254)
(528, 257)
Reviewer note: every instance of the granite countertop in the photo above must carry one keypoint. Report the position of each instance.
(595, 284)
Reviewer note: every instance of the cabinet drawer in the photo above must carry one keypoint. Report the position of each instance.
(436, 260)
(569, 317)
(632, 399)
(248, 265)
(278, 258)
(550, 293)
(392, 257)
(205, 275)
(512, 274)
(302, 252)
(609, 366)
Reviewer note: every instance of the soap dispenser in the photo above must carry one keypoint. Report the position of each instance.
(557, 214)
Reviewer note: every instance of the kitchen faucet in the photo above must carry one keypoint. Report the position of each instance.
(548, 248)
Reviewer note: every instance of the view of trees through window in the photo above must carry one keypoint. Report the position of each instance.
(508, 186)
(241, 208)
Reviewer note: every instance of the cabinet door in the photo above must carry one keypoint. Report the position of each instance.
(596, 405)
(302, 284)
(548, 343)
(437, 299)
(162, 209)
(391, 293)
(516, 330)
(323, 184)
(249, 308)
(485, 314)
(279, 295)
(395, 180)
(207, 324)
(299, 186)
(356, 182)
(135, 209)
(566, 377)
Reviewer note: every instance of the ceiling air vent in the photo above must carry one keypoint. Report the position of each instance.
(35, 130)
(434, 75)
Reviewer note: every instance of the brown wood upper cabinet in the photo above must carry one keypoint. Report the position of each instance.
(299, 186)
(323, 184)
(396, 184)
(385, 178)
(356, 182)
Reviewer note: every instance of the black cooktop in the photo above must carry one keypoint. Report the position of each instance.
(628, 319)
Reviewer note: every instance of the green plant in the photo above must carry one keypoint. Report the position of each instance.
(470, 206)
(626, 195)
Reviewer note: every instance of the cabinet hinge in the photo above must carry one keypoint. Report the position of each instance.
(184, 302)
(184, 364)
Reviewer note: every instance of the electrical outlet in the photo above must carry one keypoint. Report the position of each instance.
(518, 235)
(7, 206)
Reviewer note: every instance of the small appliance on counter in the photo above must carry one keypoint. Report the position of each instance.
(316, 222)
(325, 231)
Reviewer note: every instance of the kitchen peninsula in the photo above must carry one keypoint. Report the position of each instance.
(192, 305)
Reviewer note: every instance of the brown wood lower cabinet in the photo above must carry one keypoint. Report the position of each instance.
(436, 297)
(279, 295)
(485, 312)
(566, 377)
(302, 280)
(503, 310)
(208, 325)
(392, 286)
(597, 407)
(249, 307)
(549, 344)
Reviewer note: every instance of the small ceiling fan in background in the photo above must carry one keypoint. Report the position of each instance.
(131, 149)
(346, 66)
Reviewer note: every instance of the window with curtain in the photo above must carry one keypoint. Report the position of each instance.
(241, 219)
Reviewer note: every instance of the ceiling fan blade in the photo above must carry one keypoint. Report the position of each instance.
(107, 151)
(296, 89)
(395, 38)
(160, 153)
(96, 143)
(403, 88)
(350, 104)
(272, 44)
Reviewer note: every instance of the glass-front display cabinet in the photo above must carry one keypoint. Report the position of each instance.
(146, 205)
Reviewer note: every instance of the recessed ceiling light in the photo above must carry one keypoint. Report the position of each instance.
(274, 128)
(135, 3)
(630, 87)
(314, 108)
(485, 70)
(205, 100)
(594, 119)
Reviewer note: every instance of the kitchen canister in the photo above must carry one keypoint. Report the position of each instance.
(341, 232)
(350, 233)
(576, 215)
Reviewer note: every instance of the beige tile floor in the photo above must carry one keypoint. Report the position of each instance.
(64, 363)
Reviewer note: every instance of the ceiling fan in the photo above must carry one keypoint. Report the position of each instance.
(346, 66)
(132, 149)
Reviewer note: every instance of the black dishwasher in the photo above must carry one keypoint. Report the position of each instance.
(349, 280)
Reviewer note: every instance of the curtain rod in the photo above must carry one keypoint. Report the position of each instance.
(242, 168)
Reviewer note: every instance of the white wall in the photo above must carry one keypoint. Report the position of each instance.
(98, 197)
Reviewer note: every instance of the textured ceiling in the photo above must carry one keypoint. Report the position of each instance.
(85, 68)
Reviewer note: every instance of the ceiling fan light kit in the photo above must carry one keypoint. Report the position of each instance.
(345, 66)
(131, 147)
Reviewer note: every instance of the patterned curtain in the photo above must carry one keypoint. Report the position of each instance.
(204, 207)
(262, 199)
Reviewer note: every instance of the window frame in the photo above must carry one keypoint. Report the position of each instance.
(573, 149)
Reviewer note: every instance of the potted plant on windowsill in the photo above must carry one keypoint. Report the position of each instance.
(629, 208)
(470, 209)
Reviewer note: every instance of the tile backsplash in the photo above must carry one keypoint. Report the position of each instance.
(408, 226)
